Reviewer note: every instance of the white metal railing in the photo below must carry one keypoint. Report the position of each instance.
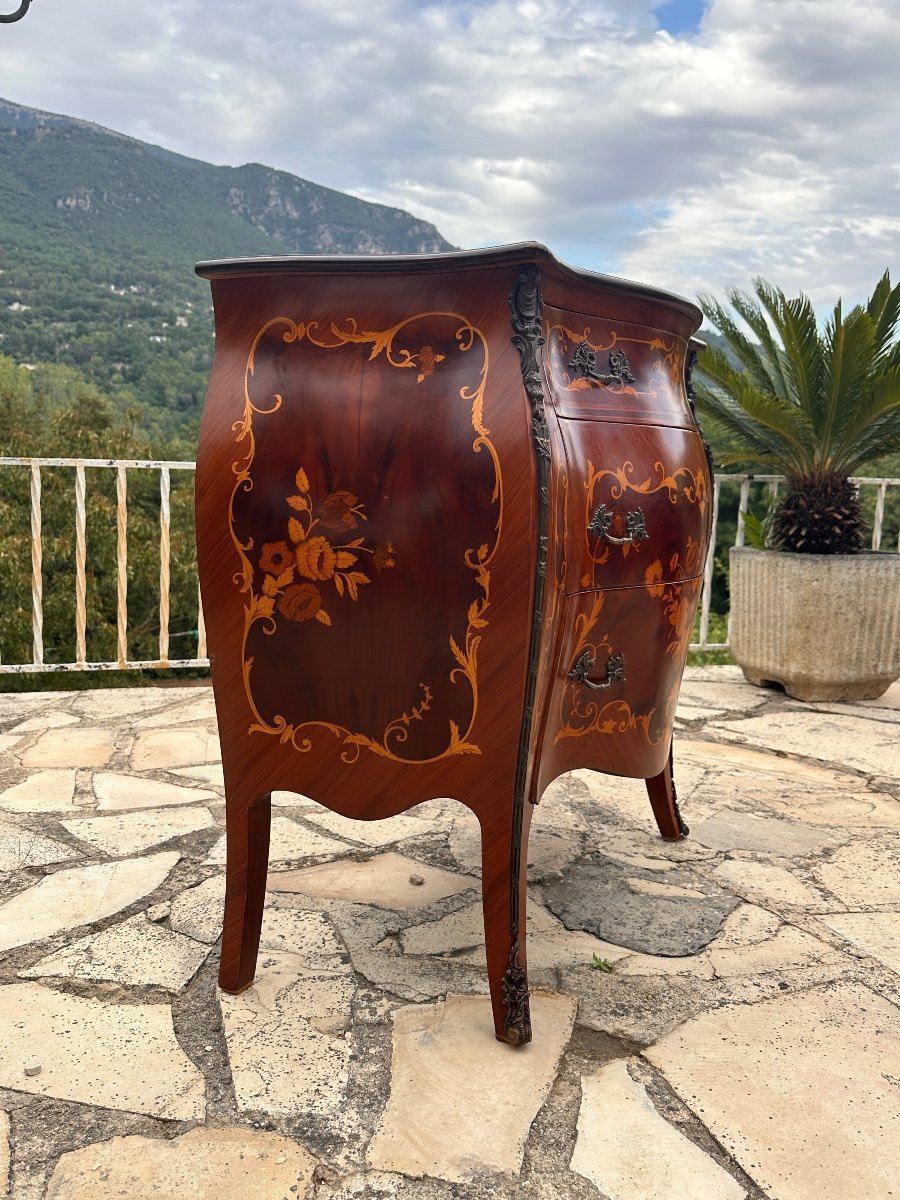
(122, 662)
(723, 482)
(771, 484)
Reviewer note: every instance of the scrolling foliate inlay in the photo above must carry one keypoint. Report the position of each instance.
(678, 596)
(284, 578)
(679, 600)
(683, 486)
(581, 712)
(573, 359)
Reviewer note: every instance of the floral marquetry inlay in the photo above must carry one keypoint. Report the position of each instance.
(679, 485)
(317, 557)
(678, 596)
(581, 711)
(296, 569)
(575, 355)
(452, 514)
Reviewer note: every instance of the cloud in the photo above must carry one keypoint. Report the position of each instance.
(760, 140)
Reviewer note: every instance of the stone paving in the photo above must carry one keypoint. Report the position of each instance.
(714, 1020)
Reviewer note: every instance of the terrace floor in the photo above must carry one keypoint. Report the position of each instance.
(745, 1043)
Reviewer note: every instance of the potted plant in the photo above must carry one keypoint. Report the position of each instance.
(814, 611)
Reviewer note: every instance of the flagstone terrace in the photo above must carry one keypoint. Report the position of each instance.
(714, 1019)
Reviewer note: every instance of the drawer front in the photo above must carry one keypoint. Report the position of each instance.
(638, 504)
(599, 367)
(617, 676)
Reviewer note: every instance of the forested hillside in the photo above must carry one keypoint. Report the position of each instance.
(105, 348)
(99, 234)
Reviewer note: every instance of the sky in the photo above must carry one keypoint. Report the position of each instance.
(690, 144)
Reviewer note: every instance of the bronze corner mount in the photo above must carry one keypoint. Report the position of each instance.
(515, 996)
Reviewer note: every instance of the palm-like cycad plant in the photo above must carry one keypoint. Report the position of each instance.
(812, 406)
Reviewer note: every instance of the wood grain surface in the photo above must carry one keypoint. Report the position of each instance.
(368, 512)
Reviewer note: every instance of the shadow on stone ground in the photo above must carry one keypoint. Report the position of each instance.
(714, 1019)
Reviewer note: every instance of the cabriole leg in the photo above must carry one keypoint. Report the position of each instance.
(504, 857)
(664, 801)
(247, 826)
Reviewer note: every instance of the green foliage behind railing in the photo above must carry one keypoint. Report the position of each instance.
(53, 412)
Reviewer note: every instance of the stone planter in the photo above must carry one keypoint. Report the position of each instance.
(826, 627)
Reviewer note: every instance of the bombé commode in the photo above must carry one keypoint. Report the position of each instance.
(452, 516)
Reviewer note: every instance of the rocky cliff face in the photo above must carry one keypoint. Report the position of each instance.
(99, 234)
(65, 171)
(309, 219)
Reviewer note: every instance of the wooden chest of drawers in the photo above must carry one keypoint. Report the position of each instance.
(452, 514)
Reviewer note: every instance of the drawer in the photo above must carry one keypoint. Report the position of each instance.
(638, 504)
(598, 367)
(617, 676)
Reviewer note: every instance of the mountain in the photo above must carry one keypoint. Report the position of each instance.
(99, 233)
(80, 180)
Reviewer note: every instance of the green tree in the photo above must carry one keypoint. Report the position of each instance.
(813, 405)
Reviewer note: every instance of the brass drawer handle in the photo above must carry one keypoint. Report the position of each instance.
(585, 360)
(584, 664)
(634, 523)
